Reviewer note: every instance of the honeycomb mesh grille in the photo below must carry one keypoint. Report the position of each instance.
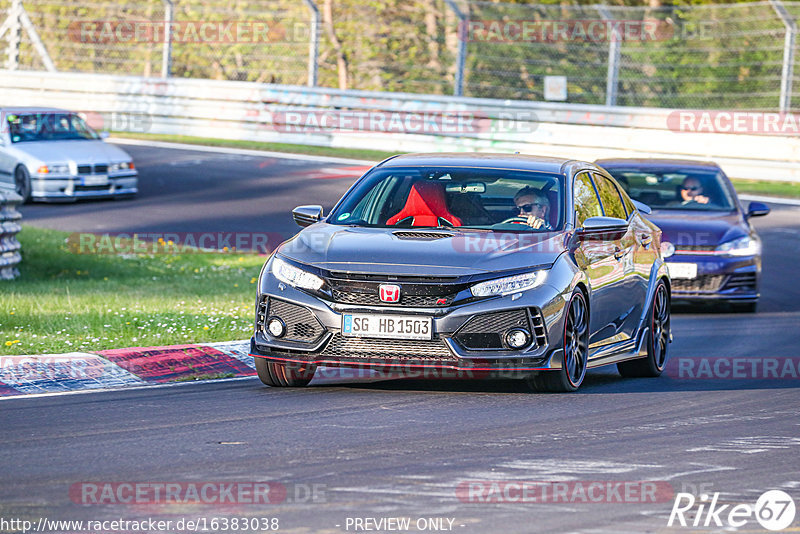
(394, 349)
(301, 324)
(421, 235)
(484, 332)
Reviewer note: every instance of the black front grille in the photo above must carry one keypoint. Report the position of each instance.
(744, 281)
(694, 248)
(342, 347)
(96, 169)
(91, 187)
(301, 324)
(373, 299)
(707, 283)
(485, 331)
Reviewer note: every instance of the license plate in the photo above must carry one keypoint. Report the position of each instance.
(682, 270)
(94, 180)
(387, 326)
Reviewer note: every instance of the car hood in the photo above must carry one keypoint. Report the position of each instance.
(78, 151)
(381, 250)
(684, 228)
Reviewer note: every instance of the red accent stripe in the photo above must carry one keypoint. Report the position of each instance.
(401, 365)
(165, 364)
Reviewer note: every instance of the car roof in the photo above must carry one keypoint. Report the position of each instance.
(497, 161)
(656, 163)
(31, 109)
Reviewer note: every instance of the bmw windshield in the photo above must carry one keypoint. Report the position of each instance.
(48, 126)
(455, 197)
(676, 189)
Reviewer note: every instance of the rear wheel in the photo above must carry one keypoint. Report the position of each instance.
(22, 183)
(658, 339)
(576, 350)
(279, 374)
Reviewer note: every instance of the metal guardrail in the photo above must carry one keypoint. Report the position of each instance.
(10, 254)
(253, 111)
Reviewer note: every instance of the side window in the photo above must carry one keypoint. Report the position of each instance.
(586, 203)
(609, 196)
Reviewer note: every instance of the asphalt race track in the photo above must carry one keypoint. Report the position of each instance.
(408, 448)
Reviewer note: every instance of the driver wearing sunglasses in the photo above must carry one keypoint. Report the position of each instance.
(692, 191)
(533, 206)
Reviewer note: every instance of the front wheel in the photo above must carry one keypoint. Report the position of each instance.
(22, 183)
(657, 342)
(576, 350)
(279, 374)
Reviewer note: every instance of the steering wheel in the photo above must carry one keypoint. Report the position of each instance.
(516, 220)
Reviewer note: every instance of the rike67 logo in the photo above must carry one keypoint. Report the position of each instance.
(774, 510)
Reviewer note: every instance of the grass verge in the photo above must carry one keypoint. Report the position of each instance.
(65, 302)
(755, 187)
(775, 189)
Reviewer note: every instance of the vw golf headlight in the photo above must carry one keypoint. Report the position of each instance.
(744, 246)
(509, 284)
(295, 276)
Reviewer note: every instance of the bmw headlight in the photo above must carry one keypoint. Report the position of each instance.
(744, 246)
(294, 276)
(509, 284)
(124, 166)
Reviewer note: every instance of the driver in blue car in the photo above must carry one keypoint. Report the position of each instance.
(692, 191)
(534, 207)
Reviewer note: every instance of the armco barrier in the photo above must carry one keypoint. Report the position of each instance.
(9, 226)
(253, 111)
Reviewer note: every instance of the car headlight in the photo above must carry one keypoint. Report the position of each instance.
(53, 169)
(124, 166)
(744, 246)
(509, 284)
(294, 276)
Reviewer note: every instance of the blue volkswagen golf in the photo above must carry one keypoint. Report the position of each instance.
(712, 250)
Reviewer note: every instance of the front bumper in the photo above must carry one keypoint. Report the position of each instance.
(323, 343)
(70, 188)
(719, 278)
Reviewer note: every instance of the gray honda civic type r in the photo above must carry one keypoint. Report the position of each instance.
(477, 265)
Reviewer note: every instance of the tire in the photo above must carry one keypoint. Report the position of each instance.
(576, 351)
(22, 183)
(657, 339)
(278, 374)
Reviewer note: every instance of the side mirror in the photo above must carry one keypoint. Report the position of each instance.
(642, 207)
(104, 135)
(602, 228)
(757, 209)
(307, 215)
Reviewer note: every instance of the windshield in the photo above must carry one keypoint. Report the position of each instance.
(492, 199)
(672, 189)
(47, 126)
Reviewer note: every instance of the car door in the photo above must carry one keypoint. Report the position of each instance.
(596, 255)
(628, 298)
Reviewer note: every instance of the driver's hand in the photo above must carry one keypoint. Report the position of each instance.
(535, 222)
(700, 199)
